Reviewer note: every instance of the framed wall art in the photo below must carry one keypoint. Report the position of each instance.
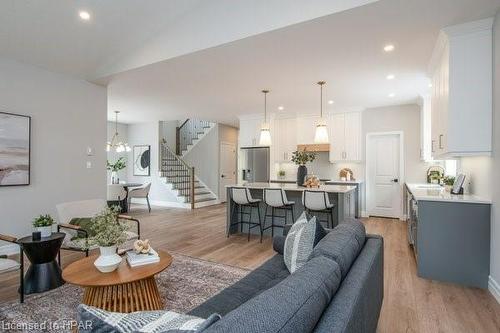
(142, 160)
(15, 143)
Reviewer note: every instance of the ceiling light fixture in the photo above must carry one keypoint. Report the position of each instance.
(330, 102)
(115, 144)
(391, 95)
(321, 134)
(389, 48)
(281, 108)
(265, 132)
(390, 77)
(84, 15)
(430, 85)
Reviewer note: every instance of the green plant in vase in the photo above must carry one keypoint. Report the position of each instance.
(114, 168)
(43, 223)
(301, 158)
(448, 182)
(281, 174)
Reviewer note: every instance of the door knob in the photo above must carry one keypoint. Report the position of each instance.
(395, 180)
(222, 176)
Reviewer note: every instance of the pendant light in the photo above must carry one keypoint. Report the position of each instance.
(265, 132)
(321, 135)
(115, 144)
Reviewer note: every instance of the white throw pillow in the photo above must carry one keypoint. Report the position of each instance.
(299, 243)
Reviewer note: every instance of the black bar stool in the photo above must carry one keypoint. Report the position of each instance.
(318, 202)
(276, 199)
(243, 199)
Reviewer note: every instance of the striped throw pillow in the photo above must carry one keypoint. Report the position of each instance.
(299, 242)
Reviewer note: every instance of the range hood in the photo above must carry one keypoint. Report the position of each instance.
(321, 147)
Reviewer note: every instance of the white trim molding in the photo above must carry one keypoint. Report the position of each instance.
(494, 288)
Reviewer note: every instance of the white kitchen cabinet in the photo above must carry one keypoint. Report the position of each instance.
(461, 102)
(249, 134)
(345, 137)
(306, 129)
(285, 137)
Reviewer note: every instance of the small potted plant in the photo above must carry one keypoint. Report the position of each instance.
(109, 234)
(301, 158)
(43, 223)
(114, 168)
(448, 182)
(281, 174)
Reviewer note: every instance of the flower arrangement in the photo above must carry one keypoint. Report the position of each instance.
(303, 157)
(448, 180)
(117, 166)
(107, 229)
(43, 221)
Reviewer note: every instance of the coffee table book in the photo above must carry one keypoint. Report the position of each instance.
(135, 260)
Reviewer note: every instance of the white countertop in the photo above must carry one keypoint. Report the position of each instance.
(294, 187)
(433, 192)
(357, 181)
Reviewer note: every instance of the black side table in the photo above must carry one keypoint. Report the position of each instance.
(44, 272)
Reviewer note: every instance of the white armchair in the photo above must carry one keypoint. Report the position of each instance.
(9, 265)
(140, 192)
(86, 209)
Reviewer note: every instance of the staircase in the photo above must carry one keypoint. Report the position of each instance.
(181, 179)
(190, 133)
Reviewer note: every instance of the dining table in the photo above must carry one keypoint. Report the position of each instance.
(127, 187)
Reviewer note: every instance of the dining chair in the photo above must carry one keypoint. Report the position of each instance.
(140, 192)
(76, 237)
(117, 195)
(9, 265)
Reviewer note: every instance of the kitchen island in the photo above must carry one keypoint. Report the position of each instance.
(342, 196)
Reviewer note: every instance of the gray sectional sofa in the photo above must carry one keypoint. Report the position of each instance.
(340, 289)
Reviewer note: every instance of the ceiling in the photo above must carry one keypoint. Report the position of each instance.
(345, 49)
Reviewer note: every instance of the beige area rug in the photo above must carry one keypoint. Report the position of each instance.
(187, 283)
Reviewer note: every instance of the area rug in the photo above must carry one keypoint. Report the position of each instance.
(187, 283)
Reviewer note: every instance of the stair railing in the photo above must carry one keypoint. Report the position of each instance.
(182, 170)
(187, 132)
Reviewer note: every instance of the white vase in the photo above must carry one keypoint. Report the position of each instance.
(114, 177)
(45, 231)
(108, 261)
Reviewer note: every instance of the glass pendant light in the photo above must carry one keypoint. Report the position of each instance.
(321, 135)
(265, 132)
(118, 146)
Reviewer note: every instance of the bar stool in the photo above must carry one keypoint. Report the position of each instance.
(318, 202)
(242, 197)
(277, 200)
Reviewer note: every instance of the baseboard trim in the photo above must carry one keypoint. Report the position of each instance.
(364, 214)
(494, 288)
(9, 249)
(159, 203)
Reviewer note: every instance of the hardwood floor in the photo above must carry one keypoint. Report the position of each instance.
(411, 304)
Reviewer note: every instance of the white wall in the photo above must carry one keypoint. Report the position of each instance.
(478, 171)
(68, 116)
(495, 214)
(168, 132)
(148, 134)
(112, 155)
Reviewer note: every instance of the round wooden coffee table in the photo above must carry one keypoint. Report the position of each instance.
(125, 290)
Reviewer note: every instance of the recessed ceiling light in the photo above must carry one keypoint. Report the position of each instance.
(391, 95)
(389, 48)
(390, 77)
(281, 108)
(330, 102)
(84, 15)
(430, 85)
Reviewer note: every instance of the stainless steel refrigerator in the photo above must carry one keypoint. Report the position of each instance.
(255, 164)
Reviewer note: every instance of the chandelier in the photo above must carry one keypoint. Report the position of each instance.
(115, 142)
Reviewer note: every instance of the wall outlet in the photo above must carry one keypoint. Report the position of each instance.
(89, 165)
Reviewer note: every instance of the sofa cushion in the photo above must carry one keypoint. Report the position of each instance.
(300, 242)
(264, 277)
(141, 322)
(342, 244)
(293, 305)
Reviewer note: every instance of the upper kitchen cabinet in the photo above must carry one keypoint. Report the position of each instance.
(306, 128)
(345, 137)
(285, 138)
(461, 101)
(249, 134)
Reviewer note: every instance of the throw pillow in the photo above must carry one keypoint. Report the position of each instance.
(84, 223)
(300, 242)
(92, 319)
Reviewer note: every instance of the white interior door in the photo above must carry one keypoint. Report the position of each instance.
(227, 172)
(383, 164)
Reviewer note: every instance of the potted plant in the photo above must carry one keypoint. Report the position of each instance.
(109, 233)
(114, 168)
(301, 158)
(448, 182)
(281, 174)
(43, 223)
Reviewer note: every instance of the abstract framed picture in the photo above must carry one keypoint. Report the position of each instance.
(142, 160)
(15, 142)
